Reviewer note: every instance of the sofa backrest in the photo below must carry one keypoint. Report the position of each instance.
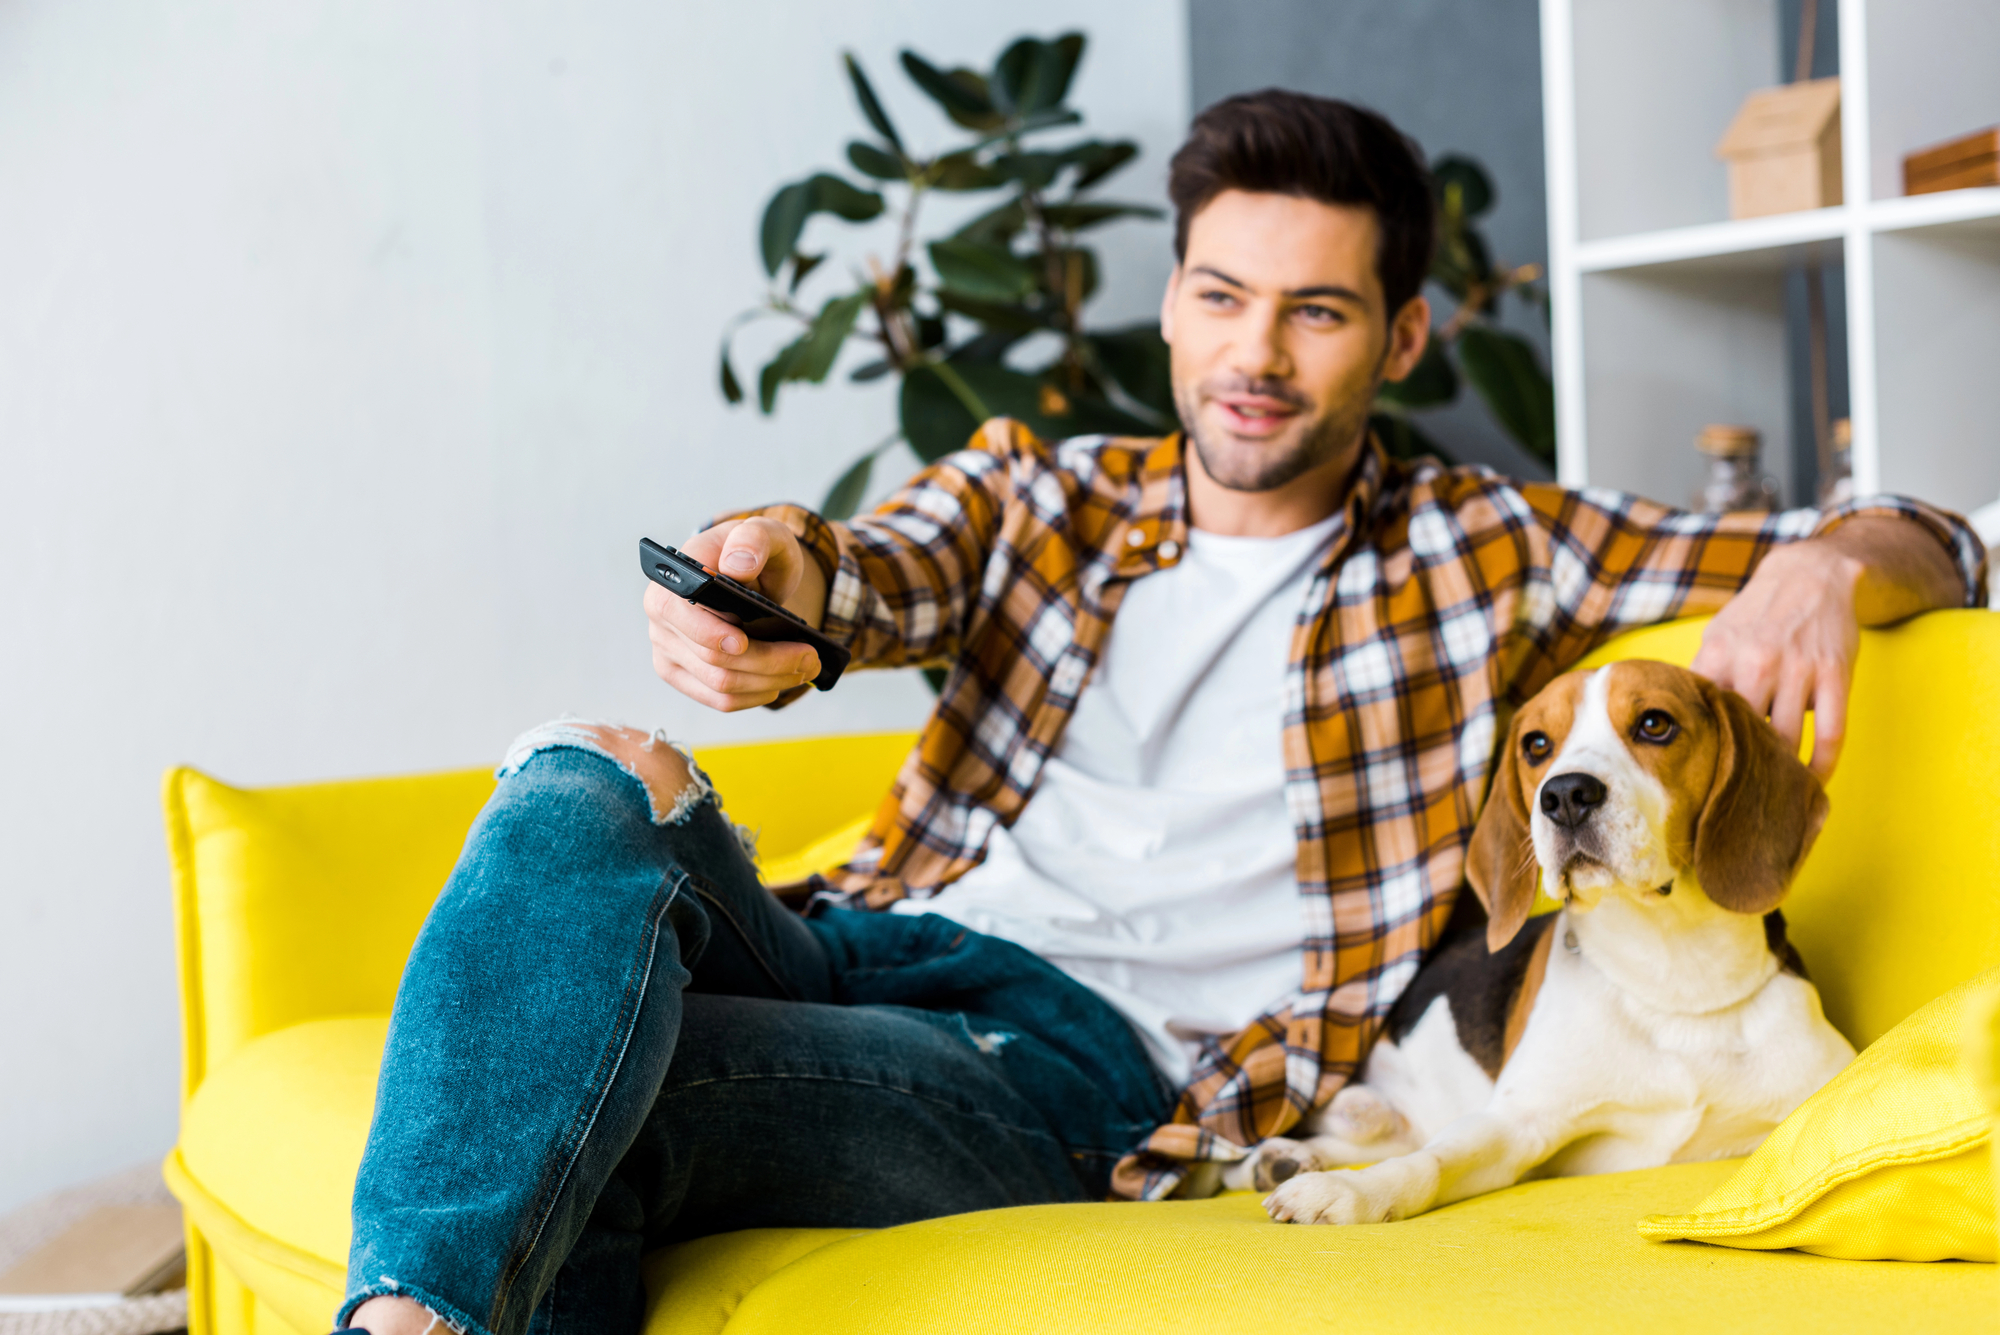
(1900, 898)
(301, 903)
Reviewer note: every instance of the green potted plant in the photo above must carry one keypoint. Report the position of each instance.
(948, 319)
(950, 330)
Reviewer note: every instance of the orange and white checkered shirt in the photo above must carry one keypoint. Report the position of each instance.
(1447, 598)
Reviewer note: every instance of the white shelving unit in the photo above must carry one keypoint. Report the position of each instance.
(1668, 315)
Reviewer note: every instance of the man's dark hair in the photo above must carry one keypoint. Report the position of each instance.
(1283, 143)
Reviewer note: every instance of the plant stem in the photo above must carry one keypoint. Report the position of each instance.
(956, 384)
(897, 335)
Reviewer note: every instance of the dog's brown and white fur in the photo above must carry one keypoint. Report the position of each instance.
(1659, 1018)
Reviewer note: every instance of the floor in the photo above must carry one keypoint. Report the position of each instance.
(27, 1228)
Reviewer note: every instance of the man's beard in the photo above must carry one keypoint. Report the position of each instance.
(1254, 469)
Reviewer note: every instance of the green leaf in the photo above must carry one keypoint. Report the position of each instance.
(961, 93)
(1475, 187)
(935, 421)
(878, 163)
(785, 216)
(1504, 369)
(844, 497)
(963, 171)
(1095, 159)
(811, 355)
(1013, 72)
(993, 314)
(1138, 359)
(1033, 170)
(732, 388)
(996, 226)
(874, 370)
(871, 106)
(1077, 217)
(983, 272)
(1061, 58)
(1033, 75)
(772, 376)
(1430, 383)
(987, 346)
(1402, 439)
(803, 265)
(835, 196)
(1045, 120)
(820, 344)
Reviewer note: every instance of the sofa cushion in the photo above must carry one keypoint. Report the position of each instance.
(1891, 1161)
(271, 1141)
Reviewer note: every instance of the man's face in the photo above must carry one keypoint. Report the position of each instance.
(1280, 335)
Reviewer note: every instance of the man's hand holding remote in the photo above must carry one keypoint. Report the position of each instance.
(709, 660)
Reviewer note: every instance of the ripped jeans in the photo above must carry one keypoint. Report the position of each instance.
(609, 1037)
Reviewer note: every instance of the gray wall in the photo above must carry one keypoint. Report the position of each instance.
(1461, 76)
(428, 292)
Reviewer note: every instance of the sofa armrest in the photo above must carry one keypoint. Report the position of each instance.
(301, 903)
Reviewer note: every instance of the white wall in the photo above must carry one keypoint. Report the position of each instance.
(345, 352)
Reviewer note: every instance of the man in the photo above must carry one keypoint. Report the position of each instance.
(1194, 800)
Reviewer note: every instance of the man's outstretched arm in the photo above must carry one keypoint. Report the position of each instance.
(1787, 641)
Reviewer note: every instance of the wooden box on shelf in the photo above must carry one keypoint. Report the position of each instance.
(1973, 160)
(1783, 150)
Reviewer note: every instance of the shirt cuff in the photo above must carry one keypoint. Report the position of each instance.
(1960, 543)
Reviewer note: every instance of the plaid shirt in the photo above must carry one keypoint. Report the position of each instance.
(1447, 598)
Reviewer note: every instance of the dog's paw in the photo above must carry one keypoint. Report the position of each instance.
(1280, 1160)
(1322, 1198)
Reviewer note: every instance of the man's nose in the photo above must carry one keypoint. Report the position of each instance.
(1260, 351)
(1568, 799)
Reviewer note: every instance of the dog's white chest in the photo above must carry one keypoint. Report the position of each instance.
(1648, 1086)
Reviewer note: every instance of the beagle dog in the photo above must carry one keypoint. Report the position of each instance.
(1659, 1017)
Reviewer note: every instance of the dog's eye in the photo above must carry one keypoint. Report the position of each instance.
(1657, 726)
(1536, 746)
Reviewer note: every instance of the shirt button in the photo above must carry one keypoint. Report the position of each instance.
(1136, 538)
(1169, 550)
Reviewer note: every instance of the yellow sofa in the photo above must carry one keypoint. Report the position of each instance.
(296, 906)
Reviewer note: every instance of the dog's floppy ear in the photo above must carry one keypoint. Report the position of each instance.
(1501, 862)
(1763, 813)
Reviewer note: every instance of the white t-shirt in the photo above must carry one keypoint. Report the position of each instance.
(1156, 862)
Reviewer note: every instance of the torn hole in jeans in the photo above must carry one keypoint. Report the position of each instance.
(577, 734)
(393, 1288)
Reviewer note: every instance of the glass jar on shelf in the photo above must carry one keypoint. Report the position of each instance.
(1836, 484)
(1734, 480)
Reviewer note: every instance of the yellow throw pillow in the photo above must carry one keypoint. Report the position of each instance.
(1889, 1162)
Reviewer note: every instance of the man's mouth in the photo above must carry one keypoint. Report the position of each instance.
(1255, 415)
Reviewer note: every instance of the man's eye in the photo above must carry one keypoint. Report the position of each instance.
(1219, 298)
(1536, 746)
(1657, 726)
(1320, 314)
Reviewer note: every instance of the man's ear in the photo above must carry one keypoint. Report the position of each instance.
(1167, 305)
(1409, 333)
(1501, 862)
(1763, 813)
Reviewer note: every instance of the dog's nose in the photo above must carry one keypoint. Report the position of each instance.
(1568, 799)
